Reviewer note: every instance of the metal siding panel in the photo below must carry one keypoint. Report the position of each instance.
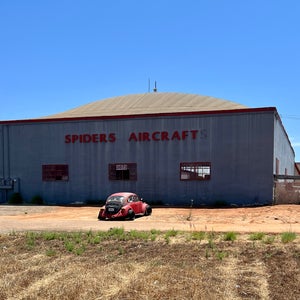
(239, 147)
(242, 158)
(283, 150)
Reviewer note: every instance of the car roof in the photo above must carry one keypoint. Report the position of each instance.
(124, 194)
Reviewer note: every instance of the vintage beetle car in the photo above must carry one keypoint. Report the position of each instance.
(124, 205)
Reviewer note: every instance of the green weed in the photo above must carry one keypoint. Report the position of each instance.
(121, 250)
(50, 252)
(230, 236)
(117, 233)
(221, 254)
(169, 234)
(50, 235)
(139, 235)
(69, 245)
(79, 250)
(30, 239)
(257, 236)
(287, 237)
(211, 244)
(198, 235)
(269, 239)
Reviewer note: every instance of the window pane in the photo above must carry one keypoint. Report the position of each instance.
(122, 171)
(55, 172)
(195, 171)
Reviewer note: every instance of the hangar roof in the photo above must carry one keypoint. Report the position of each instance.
(149, 103)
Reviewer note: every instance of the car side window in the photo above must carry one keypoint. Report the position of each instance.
(130, 199)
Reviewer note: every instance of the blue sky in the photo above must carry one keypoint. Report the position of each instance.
(59, 54)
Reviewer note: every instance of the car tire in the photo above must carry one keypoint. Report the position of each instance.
(148, 210)
(131, 214)
(99, 217)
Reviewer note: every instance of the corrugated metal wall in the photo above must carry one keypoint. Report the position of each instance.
(239, 146)
(283, 153)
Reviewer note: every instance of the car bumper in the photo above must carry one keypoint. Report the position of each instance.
(103, 215)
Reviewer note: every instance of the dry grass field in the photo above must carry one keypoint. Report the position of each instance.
(119, 262)
(149, 265)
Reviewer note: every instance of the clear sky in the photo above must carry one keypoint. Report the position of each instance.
(59, 54)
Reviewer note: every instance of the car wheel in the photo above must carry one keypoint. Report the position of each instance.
(131, 214)
(148, 210)
(99, 217)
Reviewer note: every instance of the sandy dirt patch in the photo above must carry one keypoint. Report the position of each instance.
(272, 219)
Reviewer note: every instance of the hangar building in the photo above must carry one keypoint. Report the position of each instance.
(170, 148)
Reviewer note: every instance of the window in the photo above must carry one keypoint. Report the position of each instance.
(195, 171)
(122, 171)
(55, 172)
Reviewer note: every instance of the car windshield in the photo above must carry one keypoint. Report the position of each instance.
(119, 199)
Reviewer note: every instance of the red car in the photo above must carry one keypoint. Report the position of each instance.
(124, 205)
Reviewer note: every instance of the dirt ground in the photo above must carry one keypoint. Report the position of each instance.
(268, 219)
(42, 257)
